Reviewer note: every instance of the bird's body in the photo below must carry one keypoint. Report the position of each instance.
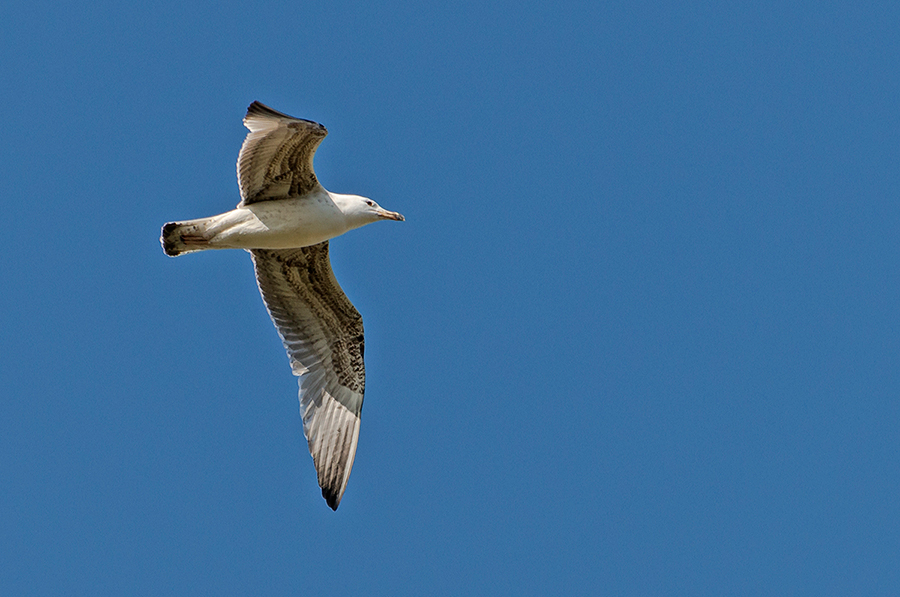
(285, 220)
(287, 223)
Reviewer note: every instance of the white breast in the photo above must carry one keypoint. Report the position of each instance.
(279, 224)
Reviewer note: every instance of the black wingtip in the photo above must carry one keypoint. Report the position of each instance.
(260, 109)
(330, 499)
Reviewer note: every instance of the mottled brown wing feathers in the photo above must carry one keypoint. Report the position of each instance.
(276, 159)
(323, 335)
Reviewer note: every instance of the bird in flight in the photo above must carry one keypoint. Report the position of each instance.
(285, 220)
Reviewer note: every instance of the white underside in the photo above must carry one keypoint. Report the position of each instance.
(277, 224)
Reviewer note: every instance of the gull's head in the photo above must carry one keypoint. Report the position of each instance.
(362, 210)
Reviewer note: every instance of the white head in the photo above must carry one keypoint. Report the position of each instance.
(362, 210)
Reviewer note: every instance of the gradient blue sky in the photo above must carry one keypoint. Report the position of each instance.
(638, 335)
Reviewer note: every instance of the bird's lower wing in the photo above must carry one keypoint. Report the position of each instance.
(323, 335)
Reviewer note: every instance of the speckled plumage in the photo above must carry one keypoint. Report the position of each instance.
(285, 220)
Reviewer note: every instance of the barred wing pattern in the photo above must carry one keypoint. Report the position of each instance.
(276, 159)
(323, 334)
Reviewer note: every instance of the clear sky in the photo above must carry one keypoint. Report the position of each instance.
(638, 335)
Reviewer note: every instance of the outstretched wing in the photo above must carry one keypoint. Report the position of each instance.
(323, 335)
(276, 159)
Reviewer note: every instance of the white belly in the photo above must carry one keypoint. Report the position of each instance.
(277, 224)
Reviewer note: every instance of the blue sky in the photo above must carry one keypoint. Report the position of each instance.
(638, 335)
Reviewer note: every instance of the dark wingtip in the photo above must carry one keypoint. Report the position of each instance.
(260, 109)
(331, 499)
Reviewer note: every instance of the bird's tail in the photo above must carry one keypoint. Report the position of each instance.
(178, 238)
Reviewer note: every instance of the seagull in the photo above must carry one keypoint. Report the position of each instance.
(285, 220)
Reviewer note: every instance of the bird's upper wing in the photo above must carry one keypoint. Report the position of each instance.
(323, 335)
(276, 159)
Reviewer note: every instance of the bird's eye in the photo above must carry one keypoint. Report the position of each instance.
(370, 203)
